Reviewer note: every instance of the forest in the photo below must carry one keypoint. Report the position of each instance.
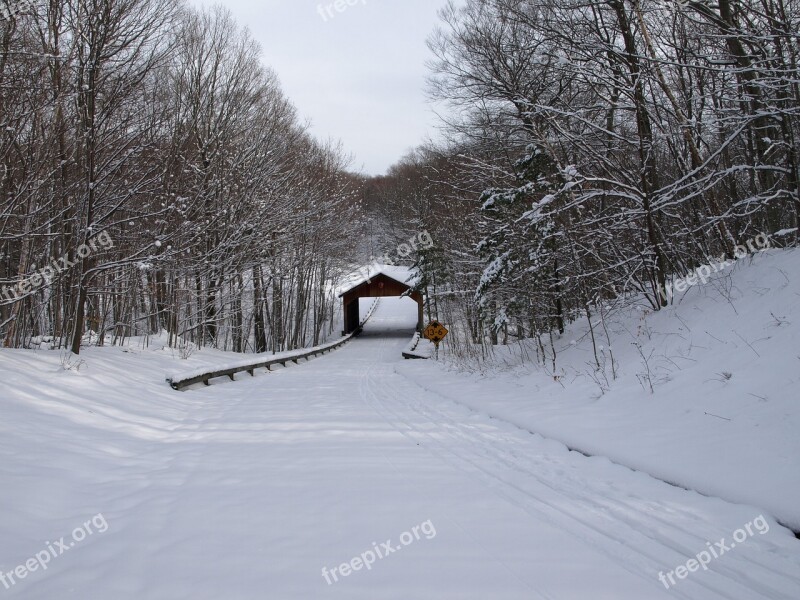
(156, 179)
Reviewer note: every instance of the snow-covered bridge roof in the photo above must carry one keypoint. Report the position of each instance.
(408, 276)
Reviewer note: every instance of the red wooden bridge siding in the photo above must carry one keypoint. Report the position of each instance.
(380, 286)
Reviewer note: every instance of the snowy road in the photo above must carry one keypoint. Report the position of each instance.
(265, 487)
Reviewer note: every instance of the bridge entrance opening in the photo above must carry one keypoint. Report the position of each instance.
(390, 282)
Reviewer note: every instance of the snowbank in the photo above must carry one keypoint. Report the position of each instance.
(724, 362)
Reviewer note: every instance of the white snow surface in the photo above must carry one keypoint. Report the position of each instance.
(248, 489)
(725, 412)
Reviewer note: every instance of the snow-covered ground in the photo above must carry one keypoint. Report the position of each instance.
(725, 412)
(266, 487)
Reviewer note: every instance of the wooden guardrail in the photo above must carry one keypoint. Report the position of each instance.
(182, 381)
(410, 350)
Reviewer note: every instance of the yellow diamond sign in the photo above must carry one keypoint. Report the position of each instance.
(435, 332)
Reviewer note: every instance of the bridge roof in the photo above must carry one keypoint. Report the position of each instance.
(407, 276)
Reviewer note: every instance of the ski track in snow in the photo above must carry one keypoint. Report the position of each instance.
(248, 489)
(556, 488)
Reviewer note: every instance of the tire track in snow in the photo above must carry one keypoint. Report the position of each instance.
(466, 447)
(579, 484)
(366, 390)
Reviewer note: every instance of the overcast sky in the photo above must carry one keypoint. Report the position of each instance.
(358, 76)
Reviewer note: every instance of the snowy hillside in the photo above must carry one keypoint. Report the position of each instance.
(724, 413)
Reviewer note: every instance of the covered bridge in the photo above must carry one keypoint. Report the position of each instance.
(379, 283)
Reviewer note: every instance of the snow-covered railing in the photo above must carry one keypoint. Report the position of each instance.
(370, 312)
(410, 349)
(183, 380)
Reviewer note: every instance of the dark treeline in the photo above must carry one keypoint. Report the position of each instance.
(595, 150)
(155, 178)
